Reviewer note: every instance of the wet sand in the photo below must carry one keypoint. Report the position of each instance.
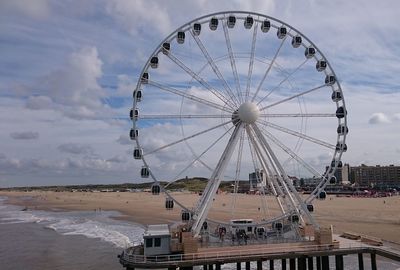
(379, 217)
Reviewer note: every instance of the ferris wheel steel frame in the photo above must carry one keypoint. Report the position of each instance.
(287, 198)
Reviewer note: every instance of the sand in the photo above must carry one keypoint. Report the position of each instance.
(378, 217)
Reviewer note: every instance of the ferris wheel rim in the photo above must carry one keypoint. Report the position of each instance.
(187, 27)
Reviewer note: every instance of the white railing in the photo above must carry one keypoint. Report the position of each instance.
(229, 254)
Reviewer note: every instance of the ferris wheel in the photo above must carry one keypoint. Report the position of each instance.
(240, 97)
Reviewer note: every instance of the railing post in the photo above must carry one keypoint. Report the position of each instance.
(292, 264)
(283, 263)
(360, 261)
(302, 263)
(325, 262)
(339, 262)
(310, 263)
(373, 261)
(259, 265)
(318, 261)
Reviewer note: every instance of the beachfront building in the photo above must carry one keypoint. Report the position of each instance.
(346, 174)
(257, 180)
(376, 176)
(338, 174)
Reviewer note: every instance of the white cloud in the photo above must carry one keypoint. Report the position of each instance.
(135, 16)
(37, 9)
(396, 116)
(39, 103)
(74, 89)
(378, 118)
(124, 140)
(76, 149)
(26, 135)
(117, 159)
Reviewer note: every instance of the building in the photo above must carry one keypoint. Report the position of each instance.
(346, 174)
(295, 181)
(375, 176)
(157, 239)
(257, 180)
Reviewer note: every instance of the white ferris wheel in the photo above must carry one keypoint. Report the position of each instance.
(241, 97)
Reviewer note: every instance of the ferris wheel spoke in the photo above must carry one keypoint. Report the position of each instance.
(268, 69)
(201, 81)
(292, 154)
(269, 166)
(251, 63)
(181, 116)
(237, 173)
(294, 198)
(206, 199)
(284, 80)
(294, 96)
(186, 138)
(269, 175)
(274, 115)
(215, 68)
(297, 134)
(189, 96)
(257, 173)
(199, 156)
(232, 60)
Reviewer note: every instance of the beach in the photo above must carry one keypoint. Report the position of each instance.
(378, 217)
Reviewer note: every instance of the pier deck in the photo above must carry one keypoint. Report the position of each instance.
(237, 254)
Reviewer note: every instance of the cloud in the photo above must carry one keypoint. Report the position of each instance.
(396, 116)
(37, 9)
(117, 159)
(135, 17)
(76, 149)
(124, 140)
(378, 118)
(9, 163)
(39, 103)
(73, 89)
(27, 135)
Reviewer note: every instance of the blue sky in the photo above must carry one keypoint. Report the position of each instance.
(68, 69)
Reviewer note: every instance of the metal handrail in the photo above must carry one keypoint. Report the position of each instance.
(197, 257)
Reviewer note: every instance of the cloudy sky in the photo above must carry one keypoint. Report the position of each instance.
(68, 69)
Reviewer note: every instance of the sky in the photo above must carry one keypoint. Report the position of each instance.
(68, 70)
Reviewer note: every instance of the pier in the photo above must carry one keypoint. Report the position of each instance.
(300, 257)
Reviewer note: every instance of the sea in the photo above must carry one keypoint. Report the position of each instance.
(68, 240)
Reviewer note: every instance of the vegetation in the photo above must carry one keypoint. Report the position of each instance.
(189, 184)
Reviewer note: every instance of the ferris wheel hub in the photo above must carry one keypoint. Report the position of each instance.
(248, 112)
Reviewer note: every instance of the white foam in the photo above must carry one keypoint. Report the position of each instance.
(90, 224)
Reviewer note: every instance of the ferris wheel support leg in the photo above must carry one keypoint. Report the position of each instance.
(286, 181)
(291, 204)
(206, 200)
(274, 186)
(276, 179)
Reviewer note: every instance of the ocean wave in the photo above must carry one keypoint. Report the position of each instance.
(99, 225)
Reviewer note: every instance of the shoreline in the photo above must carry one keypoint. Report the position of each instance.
(377, 217)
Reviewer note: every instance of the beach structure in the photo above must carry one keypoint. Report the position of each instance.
(236, 116)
